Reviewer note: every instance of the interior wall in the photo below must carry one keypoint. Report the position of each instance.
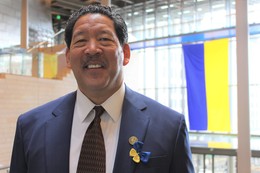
(19, 94)
(39, 22)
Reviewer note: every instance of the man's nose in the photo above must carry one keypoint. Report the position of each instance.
(92, 47)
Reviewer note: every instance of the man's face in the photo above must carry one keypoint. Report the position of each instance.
(96, 56)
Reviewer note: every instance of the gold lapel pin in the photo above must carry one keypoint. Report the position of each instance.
(132, 140)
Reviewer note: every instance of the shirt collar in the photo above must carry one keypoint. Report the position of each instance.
(83, 105)
(113, 105)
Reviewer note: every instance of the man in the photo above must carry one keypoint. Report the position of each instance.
(140, 135)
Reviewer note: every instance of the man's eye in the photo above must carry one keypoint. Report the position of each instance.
(104, 39)
(80, 41)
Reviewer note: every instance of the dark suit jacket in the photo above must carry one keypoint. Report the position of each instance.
(42, 139)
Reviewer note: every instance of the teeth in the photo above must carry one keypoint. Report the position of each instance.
(94, 66)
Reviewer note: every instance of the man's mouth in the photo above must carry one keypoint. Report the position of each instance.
(93, 66)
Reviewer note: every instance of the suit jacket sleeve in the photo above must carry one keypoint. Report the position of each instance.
(18, 164)
(182, 160)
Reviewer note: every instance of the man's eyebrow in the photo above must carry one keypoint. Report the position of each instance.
(78, 33)
(106, 32)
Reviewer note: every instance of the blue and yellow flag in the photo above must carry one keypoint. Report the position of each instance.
(206, 67)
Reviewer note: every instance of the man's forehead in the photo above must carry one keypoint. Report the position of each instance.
(94, 19)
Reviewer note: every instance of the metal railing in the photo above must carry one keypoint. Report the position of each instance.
(221, 160)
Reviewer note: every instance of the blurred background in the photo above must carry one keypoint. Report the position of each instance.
(179, 48)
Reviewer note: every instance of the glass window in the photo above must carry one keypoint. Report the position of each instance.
(27, 65)
(135, 70)
(16, 64)
(137, 23)
(232, 12)
(5, 63)
(254, 11)
(174, 18)
(162, 75)
(176, 79)
(203, 16)
(188, 16)
(162, 20)
(149, 73)
(219, 14)
(162, 67)
(163, 96)
(254, 83)
(149, 21)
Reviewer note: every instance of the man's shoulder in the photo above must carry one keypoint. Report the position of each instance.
(151, 104)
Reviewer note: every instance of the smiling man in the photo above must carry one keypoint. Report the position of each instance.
(133, 134)
(97, 57)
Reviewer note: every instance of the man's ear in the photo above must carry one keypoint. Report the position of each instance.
(127, 54)
(68, 57)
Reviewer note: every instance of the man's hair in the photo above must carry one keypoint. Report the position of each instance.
(96, 8)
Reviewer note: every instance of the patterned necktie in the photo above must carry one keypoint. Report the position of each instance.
(93, 154)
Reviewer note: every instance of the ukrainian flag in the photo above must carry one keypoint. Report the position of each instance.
(206, 67)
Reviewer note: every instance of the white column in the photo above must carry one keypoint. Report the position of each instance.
(243, 151)
(24, 24)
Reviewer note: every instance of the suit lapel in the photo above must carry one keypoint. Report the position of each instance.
(58, 131)
(57, 138)
(134, 123)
